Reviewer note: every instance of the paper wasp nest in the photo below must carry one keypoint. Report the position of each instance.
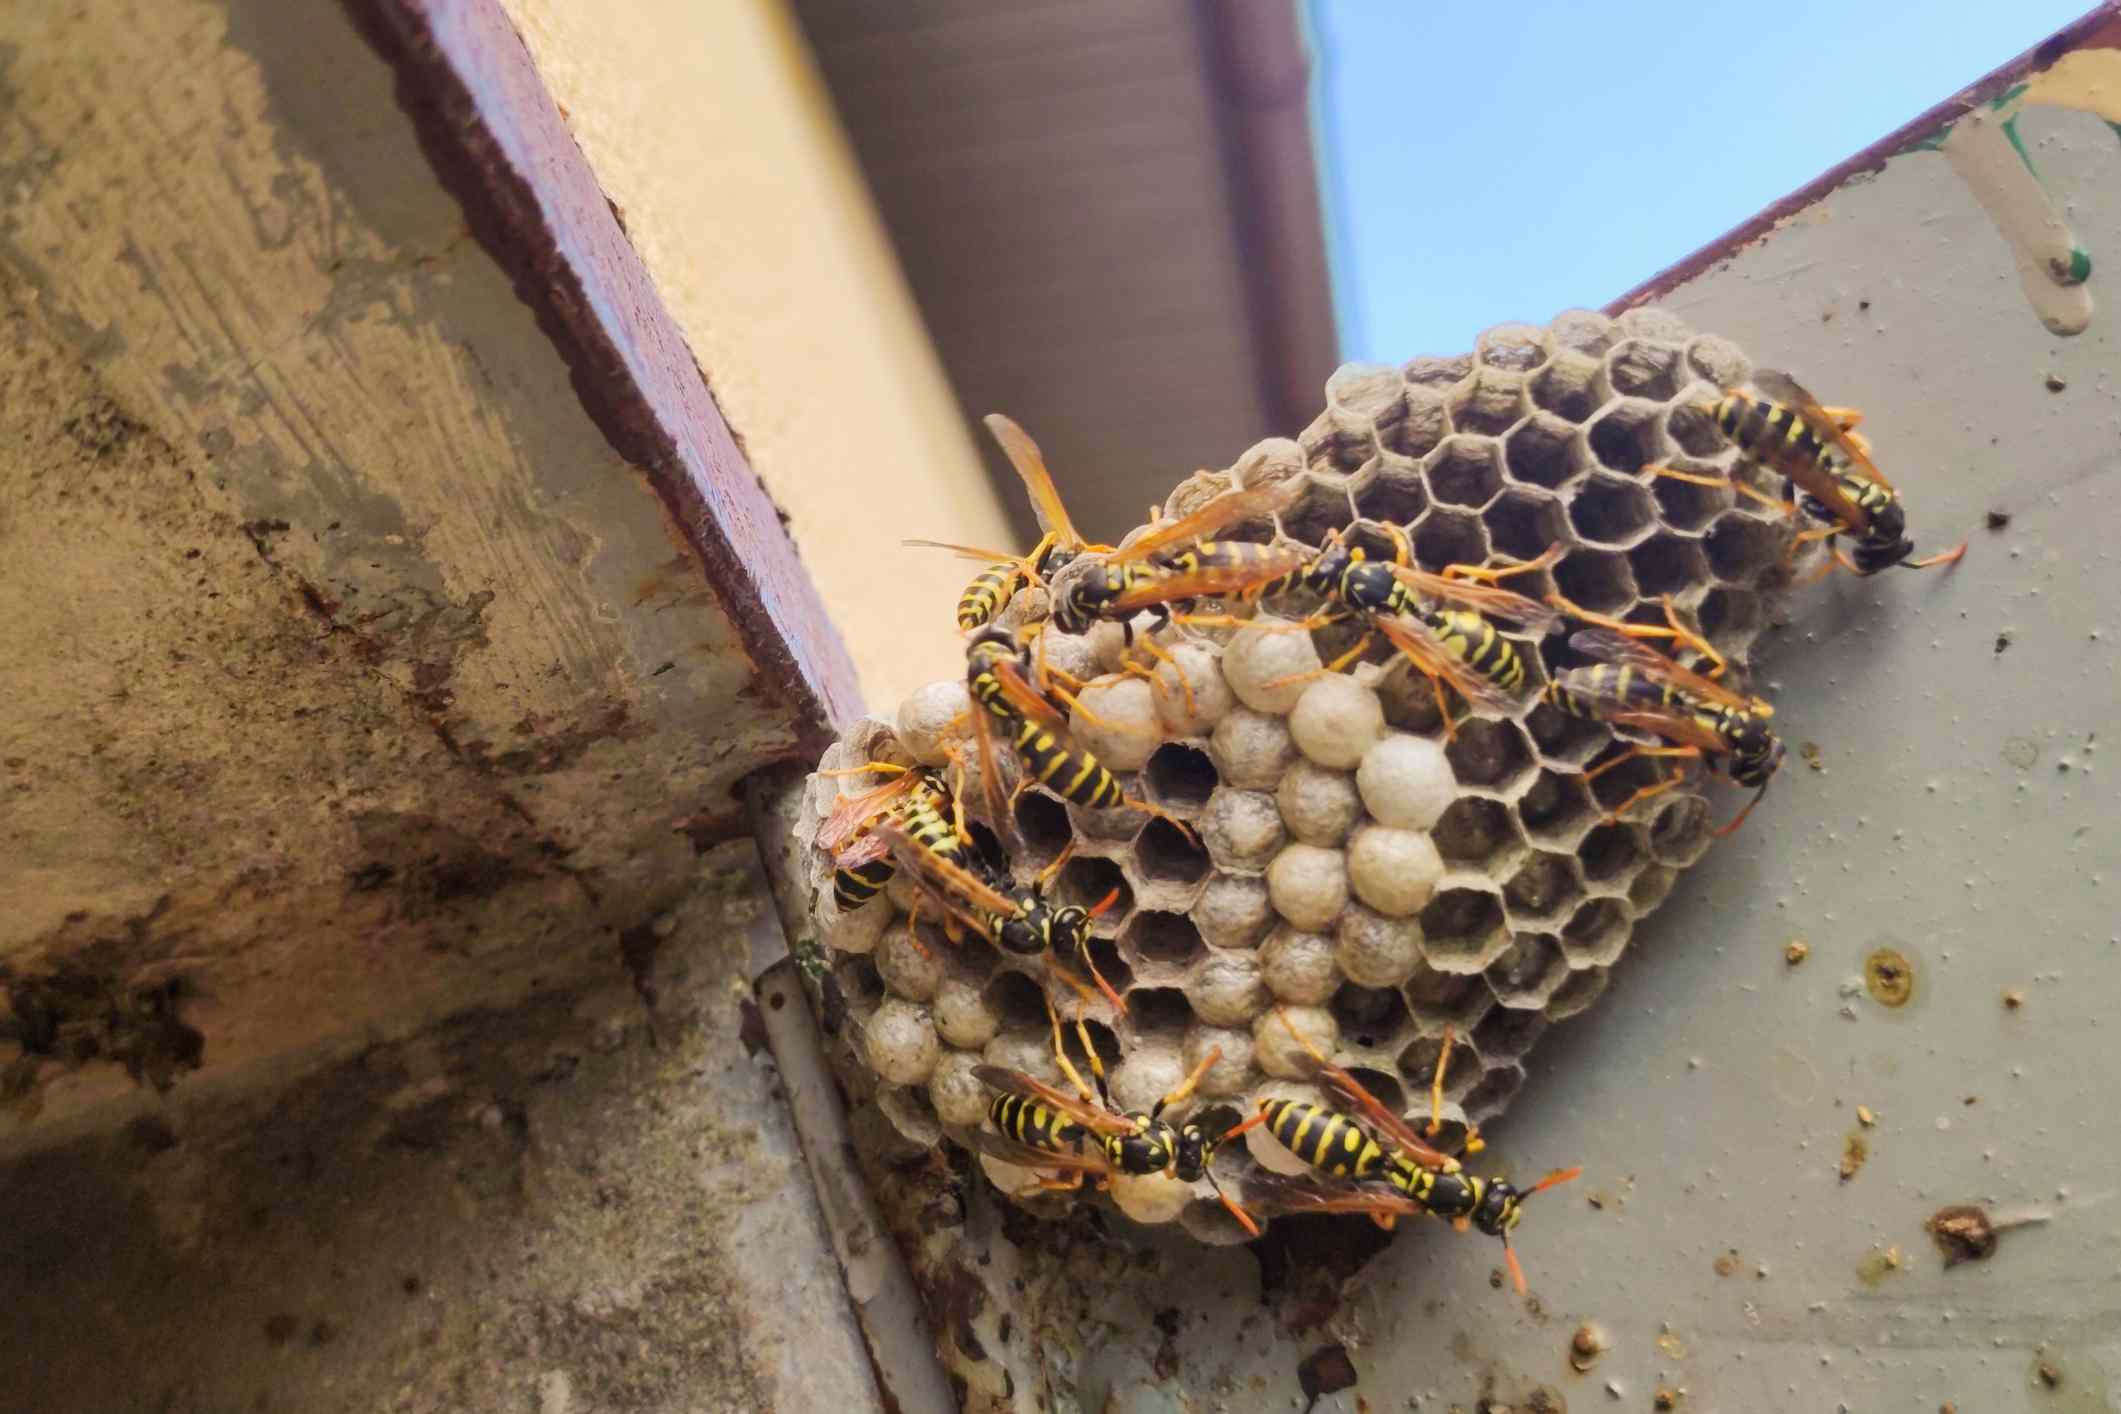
(1376, 882)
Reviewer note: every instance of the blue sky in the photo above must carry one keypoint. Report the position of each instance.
(1490, 162)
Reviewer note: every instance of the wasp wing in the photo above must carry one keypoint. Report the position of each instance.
(966, 893)
(854, 811)
(1810, 475)
(1030, 464)
(1622, 651)
(1487, 599)
(1231, 508)
(1003, 1149)
(1433, 656)
(1213, 581)
(1621, 710)
(1303, 1193)
(1089, 1116)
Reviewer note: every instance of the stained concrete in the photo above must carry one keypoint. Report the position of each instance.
(589, 1202)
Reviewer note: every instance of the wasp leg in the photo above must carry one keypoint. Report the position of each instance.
(1185, 684)
(1068, 1184)
(1075, 705)
(1474, 1143)
(1546, 559)
(913, 919)
(1672, 628)
(1191, 1083)
(1060, 1054)
(888, 767)
(1613, 816)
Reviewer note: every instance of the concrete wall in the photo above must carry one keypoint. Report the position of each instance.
(708, 127)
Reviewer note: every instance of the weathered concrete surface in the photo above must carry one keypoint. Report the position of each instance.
(353, 678)
(581, 1204)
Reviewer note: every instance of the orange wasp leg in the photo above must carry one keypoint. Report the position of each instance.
(1546, 559)
(1474, 1143)
(1612, 817)
(1734, 482)
(1673, 629)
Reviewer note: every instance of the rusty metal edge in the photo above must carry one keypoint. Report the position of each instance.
(500, 146)
(2102, 24)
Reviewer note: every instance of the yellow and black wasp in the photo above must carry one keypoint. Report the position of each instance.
(1632, 685)
(1828, 474)
(918, 799)
(1442, 624)
(1397, 1175)
(1014, 917)
(1085, 1135)
(1135, 577)
(1004, 699)
(995, 586)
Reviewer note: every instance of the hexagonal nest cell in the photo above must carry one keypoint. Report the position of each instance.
(1415, 875)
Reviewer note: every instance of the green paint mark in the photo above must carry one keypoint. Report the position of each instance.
(2080, 267)
(2116, 127)
(2009, 96)
(2010, 130)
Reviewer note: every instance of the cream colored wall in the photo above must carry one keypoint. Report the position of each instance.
(707, 124)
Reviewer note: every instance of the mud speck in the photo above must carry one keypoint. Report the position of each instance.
(1963, 1233)
(1997, 519)
(2013, 999)
(1545, 1399)
(1812, 755)
(1666, 1399)
(2046, 1373)
(1855, 1152)
(1890, 977)
(1586, 1346)
(1880, 1264)
(1728, 1263)
(1796, 951)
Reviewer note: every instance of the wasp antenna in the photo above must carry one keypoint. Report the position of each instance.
(1244, 1219)
(1732, 828)
(1555, 1180)
(1104, 903)
(1509, 1254)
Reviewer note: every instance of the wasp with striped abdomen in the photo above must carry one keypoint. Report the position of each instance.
(1016, 918)
(1004, 699)
(1086, 1135)
(992, 590)
(1386, 1175)
(1134, 577)
(918, 799)
(1829, 478)
(1633, 686)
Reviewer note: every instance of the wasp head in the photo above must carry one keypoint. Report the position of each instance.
(1069, 928)
(1194, 1150)
(1756, 752)
(1500, 1208)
